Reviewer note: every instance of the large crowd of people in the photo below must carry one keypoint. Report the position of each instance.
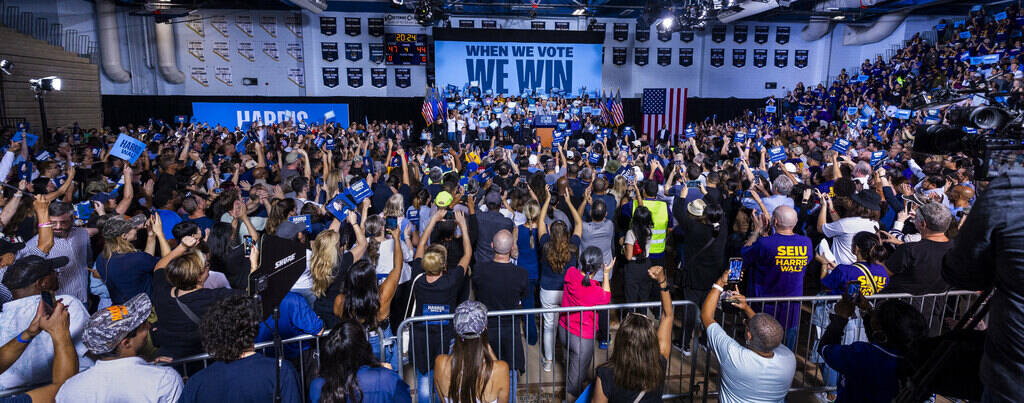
(112, 269)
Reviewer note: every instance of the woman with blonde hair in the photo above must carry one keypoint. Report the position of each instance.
(527, 257)
(328, 262)
(125, 270)
(620, 189)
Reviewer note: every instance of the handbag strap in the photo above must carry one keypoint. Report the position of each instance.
(640, 396)
(184, 308)
(867, 274)
(409, 303)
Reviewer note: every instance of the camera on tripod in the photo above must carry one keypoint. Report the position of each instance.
(979, 132)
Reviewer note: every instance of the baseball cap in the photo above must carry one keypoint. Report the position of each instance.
(443, 199)
(472, 167)
(696, 207)
(868, 199)
(30, 269)
(9, 247)
(790, 167)
(492, 197)
(117, 225)
(108, 326)
(291, 157)
(470, 319)
(289, 230)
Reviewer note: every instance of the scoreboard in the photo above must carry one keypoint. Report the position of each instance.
(404, 49)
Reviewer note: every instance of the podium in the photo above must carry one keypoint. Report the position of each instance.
(545, 125)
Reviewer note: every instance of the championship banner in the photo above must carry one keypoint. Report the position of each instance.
(717, 57)
(378, 77)
(488, 24)
(244, 24)
(241, 114)
(269, 24)
(270, 49)
(782, 35)
(739, 33)
(223, 74)
(664, 36)
(219, 23)
(355, 77)
(294, 24)
(297, 77)
(761, 34)
(199, 75)
(640, 56)
(328, 26)
(196, 26)
(739, 57)
(221, 49)
(619, 56)
(247, 51)
(330, 77)
(664, 56)
(685, 56)
(597, 27)
(377, 53)
(686, 36)
(718, 33)
(329, 51)
(353, 26)
(375, 26)
(353, 51)
(195, 48)
(295, 51)
(800, 58)
(620, 31)
(781, 58)
(538, 25)
(561, 26)
(643, 33)
(403, 78)
(467, 23)
(760, 58)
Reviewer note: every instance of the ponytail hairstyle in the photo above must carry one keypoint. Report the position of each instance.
(362, 298)
(558, 251)
(642, 225)
(345, 350)
(591, 262)
(374, 227)
(713, 217)
(867, 246)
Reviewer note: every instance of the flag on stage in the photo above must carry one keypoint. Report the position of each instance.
(428, 107)
(617, 116)
(663, 108)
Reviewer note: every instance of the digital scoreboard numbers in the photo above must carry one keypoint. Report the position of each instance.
(405, 49)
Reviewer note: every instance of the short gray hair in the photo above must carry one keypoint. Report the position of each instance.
(934, 216)
(862, 168)
(782, 185)
(59, 208)
(765, 333)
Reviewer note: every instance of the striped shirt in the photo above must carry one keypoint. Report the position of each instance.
(73, 278)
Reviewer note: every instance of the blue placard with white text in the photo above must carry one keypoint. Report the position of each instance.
(359, 191)
(841, 146)
(776, 154)
(238, 114)
(127, 148)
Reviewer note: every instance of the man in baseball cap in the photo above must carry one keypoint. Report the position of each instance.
(8, 251)
(116, 335)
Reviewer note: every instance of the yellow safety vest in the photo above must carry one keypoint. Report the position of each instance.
(659, 214)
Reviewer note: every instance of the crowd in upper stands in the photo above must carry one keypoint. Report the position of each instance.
(114, 271)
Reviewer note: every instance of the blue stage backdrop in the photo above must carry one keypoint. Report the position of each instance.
(233, 114)
(514, 61)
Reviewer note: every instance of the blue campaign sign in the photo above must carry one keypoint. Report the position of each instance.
(769, 109)
(128, 148)
(965, 35)
(739, 137)
(303, 220)
(877, 159)
(851, 110)
(340, 206)
(990, 59)
(999, 16)
(562, 125)
(594, 158)
(180, 119)
(237, 114)
(587, 110)
(903, 113)
(511, 67)
(841, 146)
(359, 191)
(776, 154)
(557, 137)
(30, 138)
(690, 133)
(862, 77)
(544, 121)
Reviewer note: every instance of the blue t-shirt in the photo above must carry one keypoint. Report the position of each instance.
(127, 274)
(843, 274)
(168, 220)
(204, 223)
(549, 280)
(377, 384)
(297, 318)
(775, 267)
(868, 370)
(249, 379)
(528, 257)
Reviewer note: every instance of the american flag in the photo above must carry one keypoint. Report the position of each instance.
(617, 116)
(428, 107)
(663, 108)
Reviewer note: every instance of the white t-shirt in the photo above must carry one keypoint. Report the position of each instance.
(748, 377)
(136, 380)
(842, 233)
(631, 240)
(386, 260)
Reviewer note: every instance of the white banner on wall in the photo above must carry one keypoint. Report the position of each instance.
(224, 75)
(297, 77)
(199, 76)
(295, 51)
(294, 24)
(219, 23)
(269, 25)
(270, 49)
(221, 49)
(196, 26)
(244, 24)
(195, 48)
(245, 49)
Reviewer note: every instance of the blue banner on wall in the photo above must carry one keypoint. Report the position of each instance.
(511, 67)
(231, 114)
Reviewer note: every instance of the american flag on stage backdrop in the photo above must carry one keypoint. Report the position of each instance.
(663, 108)
(428, 107)
(616, 108)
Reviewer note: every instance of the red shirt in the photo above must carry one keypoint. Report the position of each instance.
(576, 294)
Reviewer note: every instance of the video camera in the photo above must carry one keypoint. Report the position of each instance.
(993, 136)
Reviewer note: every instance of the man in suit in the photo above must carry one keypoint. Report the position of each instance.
(664, 136)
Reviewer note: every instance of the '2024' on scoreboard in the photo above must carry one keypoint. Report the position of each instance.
(405, 49)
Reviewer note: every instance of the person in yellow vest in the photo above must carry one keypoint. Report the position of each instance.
(661, 216)
(650, 220)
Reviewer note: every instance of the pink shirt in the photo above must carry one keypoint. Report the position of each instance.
(581, 323)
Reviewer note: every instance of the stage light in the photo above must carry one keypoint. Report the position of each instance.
(51, 83)
(839, 17)
(666, 23)
(6, 66)
(579, 11)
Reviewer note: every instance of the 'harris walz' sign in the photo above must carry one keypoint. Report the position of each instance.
(329, 51)
(761, 34)
(664, 56)
(330, 77)
(403, 78)
(378, 77)
(354, 51)
(355, 77)
(739, 57)
(685, 56)
(760, 57)
(800, 58)
(717, 57)
(781, 58)
(328, 26)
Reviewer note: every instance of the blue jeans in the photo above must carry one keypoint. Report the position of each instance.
(389, 349)
(791, 336)
(531, 320)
